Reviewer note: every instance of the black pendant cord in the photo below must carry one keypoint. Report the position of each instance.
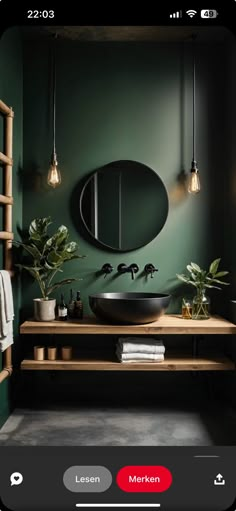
(54, 98)
(194, 99)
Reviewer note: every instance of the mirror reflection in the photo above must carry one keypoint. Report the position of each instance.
(124, 205)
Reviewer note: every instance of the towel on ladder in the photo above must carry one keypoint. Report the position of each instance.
(6, 311)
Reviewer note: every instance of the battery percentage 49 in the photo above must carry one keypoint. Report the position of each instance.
(209, 13)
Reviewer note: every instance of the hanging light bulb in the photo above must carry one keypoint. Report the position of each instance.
(54, 174)
(194, 180)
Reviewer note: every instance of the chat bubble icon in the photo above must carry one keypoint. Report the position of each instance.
(16, 479)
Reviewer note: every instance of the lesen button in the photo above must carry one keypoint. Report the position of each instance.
(87, 479)
(144, 479)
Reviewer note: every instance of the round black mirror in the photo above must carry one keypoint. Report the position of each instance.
(124, 205)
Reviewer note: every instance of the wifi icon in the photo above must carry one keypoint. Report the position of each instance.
(191, 13)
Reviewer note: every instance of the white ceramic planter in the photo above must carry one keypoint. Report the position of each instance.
(44, 310)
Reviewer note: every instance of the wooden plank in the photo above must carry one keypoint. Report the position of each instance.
(7, 370)
(5, 159)
(106, 364)
(5, 235)
(4, 109)
(6, 200)
(8, 358)
(167, 324)
(5, 373)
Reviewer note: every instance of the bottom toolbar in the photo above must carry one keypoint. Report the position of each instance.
(169, 478)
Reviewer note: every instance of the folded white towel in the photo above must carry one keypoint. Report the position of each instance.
(6, 311)
(137, 357)
(137, 354)
(150, 361)
(140, 345)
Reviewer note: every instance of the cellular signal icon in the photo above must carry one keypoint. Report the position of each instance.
(177, 14)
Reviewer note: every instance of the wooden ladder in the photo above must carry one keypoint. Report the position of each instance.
(6, 201)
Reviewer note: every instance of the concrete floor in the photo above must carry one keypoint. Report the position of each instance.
(125, 426)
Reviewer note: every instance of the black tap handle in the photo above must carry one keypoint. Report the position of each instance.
(134, 267)
(150, 268)
(107, 268)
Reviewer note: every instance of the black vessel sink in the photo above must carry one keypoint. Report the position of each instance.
(136, 308)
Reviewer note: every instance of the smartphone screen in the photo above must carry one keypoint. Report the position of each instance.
(117, 239)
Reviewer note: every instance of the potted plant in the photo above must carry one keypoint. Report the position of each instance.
(46, 257)
(201, 280)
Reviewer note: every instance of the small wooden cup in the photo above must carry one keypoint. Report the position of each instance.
(66, 352)
(52, 353)
(39, 353)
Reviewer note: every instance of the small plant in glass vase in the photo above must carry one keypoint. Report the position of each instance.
(201, 280)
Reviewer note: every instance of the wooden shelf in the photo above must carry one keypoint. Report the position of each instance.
(107, 363)
(167, 324)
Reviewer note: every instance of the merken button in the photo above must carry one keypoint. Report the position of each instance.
(144, 479)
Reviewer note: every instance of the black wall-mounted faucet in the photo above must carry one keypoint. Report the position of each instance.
(150, 269)
(107, 268)
(132, 268)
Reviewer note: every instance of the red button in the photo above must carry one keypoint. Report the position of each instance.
(144, 479)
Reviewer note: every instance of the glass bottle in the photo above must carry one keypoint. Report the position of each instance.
(78, 306)
(186, 308)
(62, 309)
(201, 305)
(71, 305)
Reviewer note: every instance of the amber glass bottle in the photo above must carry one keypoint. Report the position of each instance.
(78, 307)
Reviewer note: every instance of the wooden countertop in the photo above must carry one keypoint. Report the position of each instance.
(167, 324)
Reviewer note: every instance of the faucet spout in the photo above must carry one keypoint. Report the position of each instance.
(132, 269)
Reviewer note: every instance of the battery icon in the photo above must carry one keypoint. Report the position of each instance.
(209, 13)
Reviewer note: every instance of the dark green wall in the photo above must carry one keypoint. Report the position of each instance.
(124, 101)
(127, 101)
(11, 93)
(230, 187)
(230, 239)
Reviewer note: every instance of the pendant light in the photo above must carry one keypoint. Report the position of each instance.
(54, 175)
(194, 180)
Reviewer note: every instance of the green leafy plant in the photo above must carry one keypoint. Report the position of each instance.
(202, 279)
(48, 254)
